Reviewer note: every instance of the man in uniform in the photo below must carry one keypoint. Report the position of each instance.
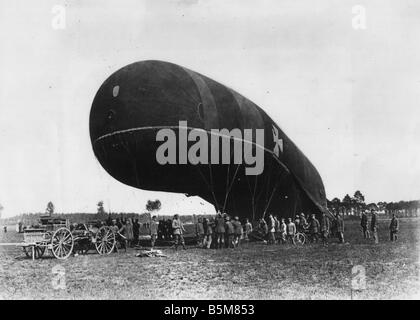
(161, 234)
(271, 229)
(238, 231)
(303, 224)
(199, 231)
(178, 230)
(277, 228)
(393, 228)
(208, 233)
(119, 223)
(325, 228)
(220, 231)
(263, 228)
(122, 234)
(374, 226)
(230, 232)
(313, 228)
(115, 229)
(283, 231)
(248, 229)
(297, 222)
(166, 229)
(291, 231)
(364, 225)
(340, 227)
(154, 227)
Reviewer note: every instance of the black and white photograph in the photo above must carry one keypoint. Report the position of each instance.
(209, 150)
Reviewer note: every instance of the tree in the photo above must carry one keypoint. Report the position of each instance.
(153, 205)
(50, 208)
(347, 203)
(359, 200)
(390, 207)
(373, 206)
(100, 210)
(336, 204)
(381, 205)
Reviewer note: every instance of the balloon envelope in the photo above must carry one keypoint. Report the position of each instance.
(138, 101)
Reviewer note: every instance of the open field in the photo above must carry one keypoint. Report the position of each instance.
(254, 271)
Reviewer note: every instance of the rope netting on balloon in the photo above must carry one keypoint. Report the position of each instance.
(209, 181)
(262, 188)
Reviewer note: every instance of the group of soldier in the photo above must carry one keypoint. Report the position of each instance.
(222, 231)
(373, 227)
(128, 230)
(167, 230)
(284, 230)
(226, 232)
(218, 232)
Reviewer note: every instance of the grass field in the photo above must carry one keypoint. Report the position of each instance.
(254, 271)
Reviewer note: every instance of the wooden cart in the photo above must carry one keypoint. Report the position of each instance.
(94, 235)
(51, 234)
(57, 236)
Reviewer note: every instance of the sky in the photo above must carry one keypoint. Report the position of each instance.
(348, 97)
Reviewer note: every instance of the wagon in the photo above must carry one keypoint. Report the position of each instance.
(57, 236)
(94, 235)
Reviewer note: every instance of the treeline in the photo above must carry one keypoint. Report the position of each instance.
(29, 219)
(356, 204)
(152, 208)
(80, 217)
(348, 206)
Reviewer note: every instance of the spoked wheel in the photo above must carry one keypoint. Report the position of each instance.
(62, 243)
(105, 240)
(299, 238)
(38, 251)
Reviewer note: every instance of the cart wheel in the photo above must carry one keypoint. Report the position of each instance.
(62, 243)
(105, 240)
(299, 238)
(39, 252)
